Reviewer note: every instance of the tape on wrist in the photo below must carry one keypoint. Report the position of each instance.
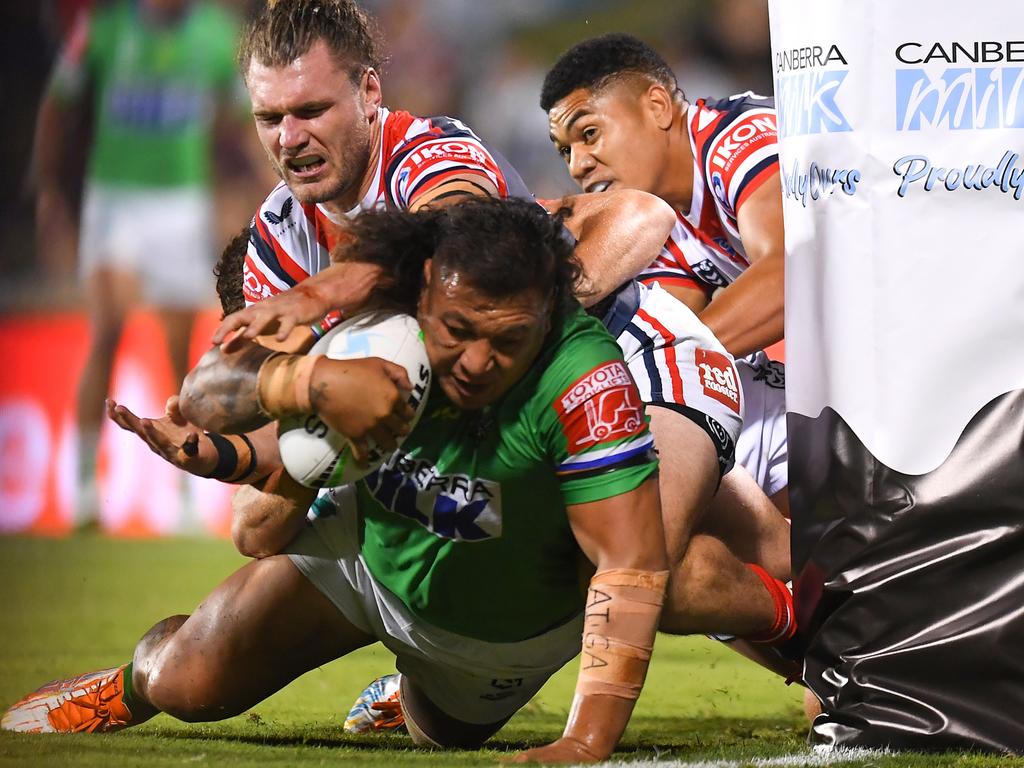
(232, 450)
(622, 613)
(282, 384)
(227, 456)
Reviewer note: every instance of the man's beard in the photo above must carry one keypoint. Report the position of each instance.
(346, 182)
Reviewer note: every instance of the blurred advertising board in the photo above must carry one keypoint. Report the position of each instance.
(140, 494)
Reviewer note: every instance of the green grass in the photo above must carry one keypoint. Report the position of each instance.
(78, 604)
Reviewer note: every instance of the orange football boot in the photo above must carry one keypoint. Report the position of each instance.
(90, 703)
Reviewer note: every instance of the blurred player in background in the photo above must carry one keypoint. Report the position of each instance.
(619, 119)
(158, 77)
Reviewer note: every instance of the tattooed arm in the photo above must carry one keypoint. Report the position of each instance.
(219, 394)
(623, 537)
(362, 399)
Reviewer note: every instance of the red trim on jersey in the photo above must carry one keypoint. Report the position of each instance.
(250, 266)
(677, 253)
(670, 354)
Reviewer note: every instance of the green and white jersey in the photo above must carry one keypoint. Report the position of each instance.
(155, 87)
(467, 523)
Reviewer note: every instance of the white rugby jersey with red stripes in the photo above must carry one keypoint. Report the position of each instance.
(735, 150)
(289, 240)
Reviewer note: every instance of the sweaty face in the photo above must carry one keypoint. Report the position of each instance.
(316, 124)
(609, 138)
(478, 346)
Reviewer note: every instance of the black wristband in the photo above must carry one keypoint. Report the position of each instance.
(252, 459)
(227, 457)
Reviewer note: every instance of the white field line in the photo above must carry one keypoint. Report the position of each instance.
(797, 760)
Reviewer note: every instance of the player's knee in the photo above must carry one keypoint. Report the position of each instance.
(175, 677)
(186, 690)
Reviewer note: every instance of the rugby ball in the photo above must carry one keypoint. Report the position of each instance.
(317, 456)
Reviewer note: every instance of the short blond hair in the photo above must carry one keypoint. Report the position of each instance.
(284, 30)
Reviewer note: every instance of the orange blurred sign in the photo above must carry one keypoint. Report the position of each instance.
(140, 494)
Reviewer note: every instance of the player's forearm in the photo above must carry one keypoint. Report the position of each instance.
(621, 619)
(347, 286)
(749, 314)
(268, 515)
(620, 233)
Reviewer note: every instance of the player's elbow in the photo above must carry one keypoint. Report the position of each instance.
(262, 524)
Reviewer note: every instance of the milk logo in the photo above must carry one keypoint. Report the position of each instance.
(942, 89)
(807, 87)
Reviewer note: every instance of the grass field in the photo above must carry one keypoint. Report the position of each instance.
(79, 604)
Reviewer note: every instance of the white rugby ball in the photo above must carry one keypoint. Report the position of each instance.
(319, 457)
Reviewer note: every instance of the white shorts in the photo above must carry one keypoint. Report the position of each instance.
(762, 448)
(163, 236)
(471, 680)
(678, 363)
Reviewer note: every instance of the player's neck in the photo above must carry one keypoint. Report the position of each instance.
(677, 186)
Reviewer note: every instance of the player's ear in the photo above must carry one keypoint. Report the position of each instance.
(660, 105)
(369, 90)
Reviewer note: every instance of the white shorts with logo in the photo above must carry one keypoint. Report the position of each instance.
(163, 236)
(471, 680)
(762, 448)
(678, 363)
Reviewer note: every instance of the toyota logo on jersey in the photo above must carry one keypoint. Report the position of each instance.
(602, 406)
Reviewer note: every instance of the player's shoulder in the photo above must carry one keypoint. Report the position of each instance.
(410, 139)
(738, 105)
(402, 127)
(714, 120)
(577, 346)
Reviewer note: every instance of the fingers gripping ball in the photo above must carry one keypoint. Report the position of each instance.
(316, 455)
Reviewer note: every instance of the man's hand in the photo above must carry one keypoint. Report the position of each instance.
(363, 400)
(275, 315)
(346, 286)
(170, 437)
(564, 751)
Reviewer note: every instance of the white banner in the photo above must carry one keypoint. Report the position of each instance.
(901, 133)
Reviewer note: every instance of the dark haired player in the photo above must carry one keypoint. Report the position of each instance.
(619, 119)
(470, 539)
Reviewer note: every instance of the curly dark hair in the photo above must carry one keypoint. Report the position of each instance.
(284, 30)
(501, 247)
(596, 62)
(228, 272)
